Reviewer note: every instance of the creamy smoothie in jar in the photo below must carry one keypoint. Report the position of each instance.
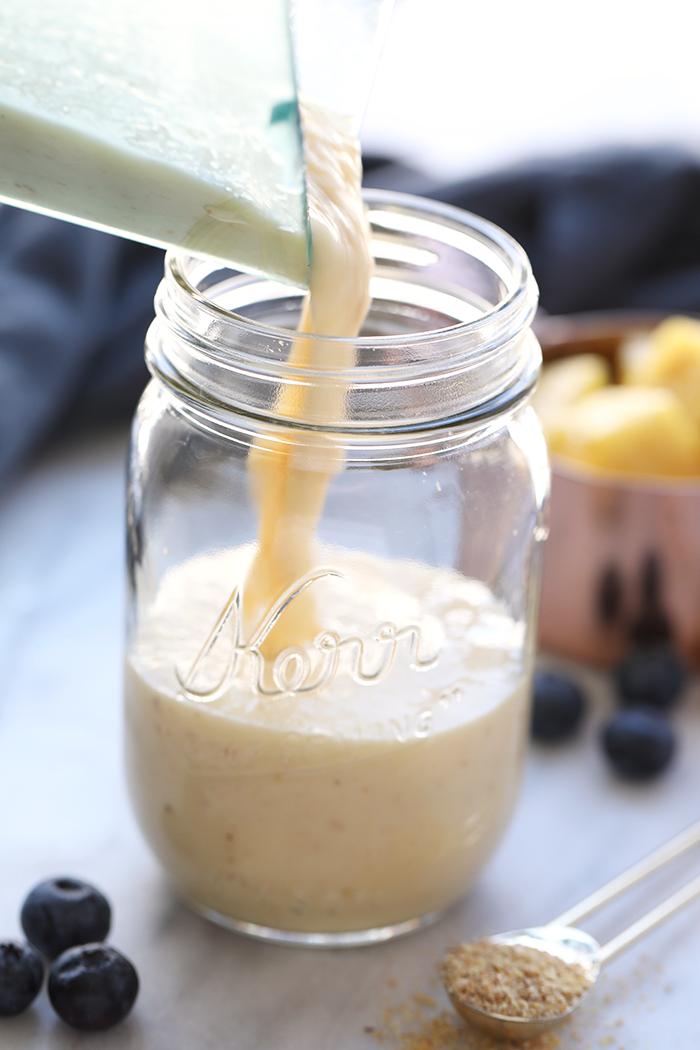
(335, 762)
(365, 782)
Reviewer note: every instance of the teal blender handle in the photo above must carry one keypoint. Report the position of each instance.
(180, 133)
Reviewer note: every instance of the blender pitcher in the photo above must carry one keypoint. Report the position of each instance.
(176, 124)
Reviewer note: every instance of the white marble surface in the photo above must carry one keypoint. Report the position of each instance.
(65, 811)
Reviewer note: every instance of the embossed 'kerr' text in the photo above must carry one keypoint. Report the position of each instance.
(299, 670)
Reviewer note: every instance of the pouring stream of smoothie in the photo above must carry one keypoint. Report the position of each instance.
(289, 485)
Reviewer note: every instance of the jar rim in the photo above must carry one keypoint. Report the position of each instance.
(179, 264)
(433, 263)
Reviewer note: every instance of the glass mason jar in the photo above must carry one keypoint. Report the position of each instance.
(333, 584)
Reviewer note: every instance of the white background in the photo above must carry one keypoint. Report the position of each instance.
(466, 87)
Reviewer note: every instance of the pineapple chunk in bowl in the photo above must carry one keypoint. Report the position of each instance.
(619, 401)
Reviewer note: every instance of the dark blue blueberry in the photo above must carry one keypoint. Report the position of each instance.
(21, 975)
(92, 987)
(558, 705)
(639, 742)
(60, 913)
(652, 676)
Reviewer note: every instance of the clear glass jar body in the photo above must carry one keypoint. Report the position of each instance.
(332, 758)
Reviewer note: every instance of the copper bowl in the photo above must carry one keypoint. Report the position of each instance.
(623, 556)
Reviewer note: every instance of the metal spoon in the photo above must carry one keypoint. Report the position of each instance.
(560, 938)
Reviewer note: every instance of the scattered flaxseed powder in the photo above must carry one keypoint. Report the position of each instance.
(513, 980)
(414, 1025)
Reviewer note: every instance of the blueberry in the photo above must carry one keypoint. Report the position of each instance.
(92, 987)
(558, 705)
(60, 913)
(639, 742)
(21, 975)
(653, 675)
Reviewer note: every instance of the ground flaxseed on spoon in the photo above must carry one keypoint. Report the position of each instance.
(513, 980)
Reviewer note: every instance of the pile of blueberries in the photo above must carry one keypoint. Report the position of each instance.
(639, 740)
(91, 986)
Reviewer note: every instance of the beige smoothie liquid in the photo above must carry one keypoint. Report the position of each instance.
(351, 764)
(290, 486)
(358, 783)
